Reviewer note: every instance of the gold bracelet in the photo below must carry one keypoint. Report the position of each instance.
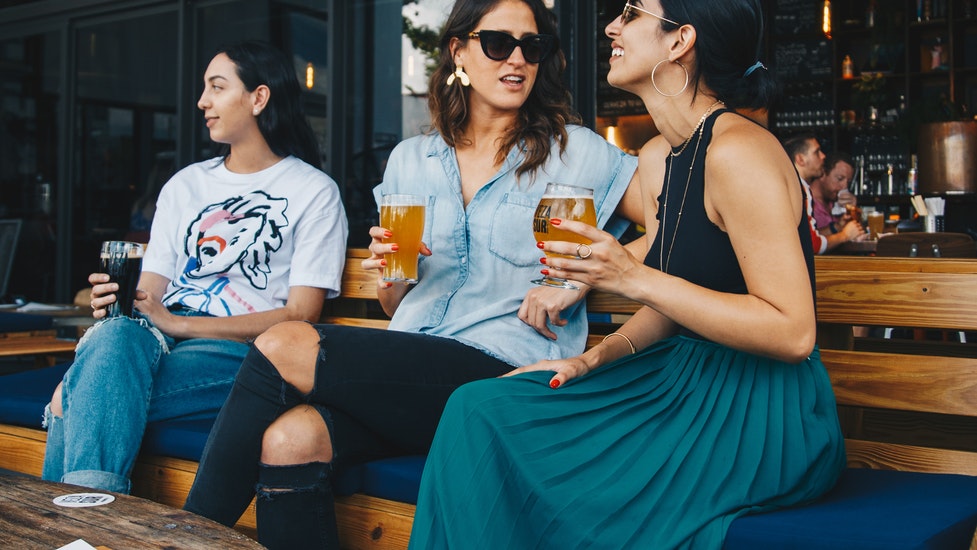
(626, 339)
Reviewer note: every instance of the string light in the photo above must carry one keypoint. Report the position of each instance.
(309, 76)
(826, 19)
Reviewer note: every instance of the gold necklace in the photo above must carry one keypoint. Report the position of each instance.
(663, 262)
(698, 124)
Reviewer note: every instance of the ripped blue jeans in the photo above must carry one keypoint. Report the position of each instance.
(126, 373)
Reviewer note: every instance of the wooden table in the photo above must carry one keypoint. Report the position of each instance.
(29, 519)
(13, 344)
(856, 248)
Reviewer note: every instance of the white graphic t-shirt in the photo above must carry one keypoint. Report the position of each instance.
(234, 243)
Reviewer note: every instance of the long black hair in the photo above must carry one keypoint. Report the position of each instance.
(282, 122)
(729, 42)
(542, 117)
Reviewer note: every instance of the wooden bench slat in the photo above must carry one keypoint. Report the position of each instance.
(946, 385)
(891, 456)
(939, 300)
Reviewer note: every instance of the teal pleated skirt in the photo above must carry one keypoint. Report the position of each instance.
(661, 449)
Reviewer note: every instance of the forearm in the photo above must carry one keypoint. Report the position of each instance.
(235, 327)
(741, 321)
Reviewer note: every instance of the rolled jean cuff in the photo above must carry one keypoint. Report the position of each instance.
(96, 479)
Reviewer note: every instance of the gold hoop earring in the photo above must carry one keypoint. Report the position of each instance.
(655, 84)
(460, 75)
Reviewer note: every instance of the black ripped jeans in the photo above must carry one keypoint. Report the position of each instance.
(381, 393)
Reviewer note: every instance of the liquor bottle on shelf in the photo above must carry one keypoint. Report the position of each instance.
(911, 176)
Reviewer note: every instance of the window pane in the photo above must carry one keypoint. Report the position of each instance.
(29, 94)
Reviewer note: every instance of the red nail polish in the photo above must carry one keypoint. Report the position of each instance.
(542, 261)
(544, 271)
(387, 233)
(554, 383)
(555, 221)
(383, 263)
(539, 245)
(395, 247)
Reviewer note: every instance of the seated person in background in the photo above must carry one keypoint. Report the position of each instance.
(832, 219)
(711, 401)
(240, 242)
(804, 151)
(310, 400)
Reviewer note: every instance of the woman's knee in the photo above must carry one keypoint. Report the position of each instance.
(298, 436)
(56, 407)
(292, 347)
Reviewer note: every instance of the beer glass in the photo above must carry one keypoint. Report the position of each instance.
(403, 215)
(566, 202)
(876, 223)
(122, 261)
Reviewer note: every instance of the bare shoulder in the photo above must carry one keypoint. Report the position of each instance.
(654, 149)
(740, 149)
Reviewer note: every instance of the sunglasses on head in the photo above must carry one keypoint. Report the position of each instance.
(498, 46)
(629, 13)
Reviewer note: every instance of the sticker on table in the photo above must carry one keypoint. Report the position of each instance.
(83, 500)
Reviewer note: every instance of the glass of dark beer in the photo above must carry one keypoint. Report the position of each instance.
(122, 260)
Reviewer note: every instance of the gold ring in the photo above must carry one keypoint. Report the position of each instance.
(584, 256)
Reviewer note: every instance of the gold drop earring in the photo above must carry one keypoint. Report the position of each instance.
(459, 75)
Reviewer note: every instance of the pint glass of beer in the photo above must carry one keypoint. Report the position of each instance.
(122, 261)
(566, 202)
(403, 215)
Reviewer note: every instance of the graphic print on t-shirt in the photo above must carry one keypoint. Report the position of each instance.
(240, 234)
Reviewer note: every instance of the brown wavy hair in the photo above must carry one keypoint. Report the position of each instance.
(542, 117)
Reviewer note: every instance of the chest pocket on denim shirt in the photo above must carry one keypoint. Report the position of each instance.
(512, 230)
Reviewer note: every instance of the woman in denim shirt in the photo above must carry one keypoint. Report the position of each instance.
(309, 399)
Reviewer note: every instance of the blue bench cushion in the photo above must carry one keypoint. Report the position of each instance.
(23, 395)
(11, 321)
(870, 510)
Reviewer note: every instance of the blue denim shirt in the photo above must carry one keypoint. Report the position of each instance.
(471, 287)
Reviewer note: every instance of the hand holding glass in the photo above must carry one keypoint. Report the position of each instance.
(565, 202)
(122, 261)
(403, 215)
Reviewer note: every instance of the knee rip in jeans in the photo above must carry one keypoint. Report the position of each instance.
(47, 417)
(141, 320)
(301, 483)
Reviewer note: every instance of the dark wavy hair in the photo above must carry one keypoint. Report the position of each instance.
(542, 117)
(729, 41)
(282, 122)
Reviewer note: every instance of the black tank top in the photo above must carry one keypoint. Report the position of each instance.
(690, 246)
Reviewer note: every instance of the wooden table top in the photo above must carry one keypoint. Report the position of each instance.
(29, 519)
(12, 345)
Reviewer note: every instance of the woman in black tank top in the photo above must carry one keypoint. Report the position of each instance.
(711, 401)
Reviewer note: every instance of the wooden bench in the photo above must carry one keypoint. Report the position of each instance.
(904, 405)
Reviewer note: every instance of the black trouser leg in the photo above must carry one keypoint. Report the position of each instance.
(228, 470)
(290, 497)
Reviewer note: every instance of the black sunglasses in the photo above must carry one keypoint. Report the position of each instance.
(498, 46)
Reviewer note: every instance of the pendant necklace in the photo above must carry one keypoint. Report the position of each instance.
(663, 261)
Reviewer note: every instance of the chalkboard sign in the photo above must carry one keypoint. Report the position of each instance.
(793, 17)
(802, 60)
(612, 101)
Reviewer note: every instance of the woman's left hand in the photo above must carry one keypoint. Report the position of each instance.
(602, 264)
(542, 307)
(565, 369)
(153, 308)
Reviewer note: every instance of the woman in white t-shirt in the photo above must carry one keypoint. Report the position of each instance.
(239, 243)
